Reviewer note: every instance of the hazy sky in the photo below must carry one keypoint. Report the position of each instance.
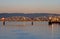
(30, 6)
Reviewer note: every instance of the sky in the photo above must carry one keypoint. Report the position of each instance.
(30, 6)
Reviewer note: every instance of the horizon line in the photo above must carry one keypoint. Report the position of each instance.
(26, 13)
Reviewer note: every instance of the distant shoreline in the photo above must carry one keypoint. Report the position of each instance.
(31, 15)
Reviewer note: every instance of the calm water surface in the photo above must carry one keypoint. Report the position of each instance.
(24, 30)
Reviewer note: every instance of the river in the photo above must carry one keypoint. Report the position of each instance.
(25, 30)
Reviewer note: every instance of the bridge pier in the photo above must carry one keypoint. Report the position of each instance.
(50, 23)
(32, 23)
(55, 22)
(3, 22)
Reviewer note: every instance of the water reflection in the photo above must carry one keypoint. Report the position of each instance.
(52, 31)
(24, 30)
(55, 31)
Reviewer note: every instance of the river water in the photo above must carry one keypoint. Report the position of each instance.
(25, 30)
